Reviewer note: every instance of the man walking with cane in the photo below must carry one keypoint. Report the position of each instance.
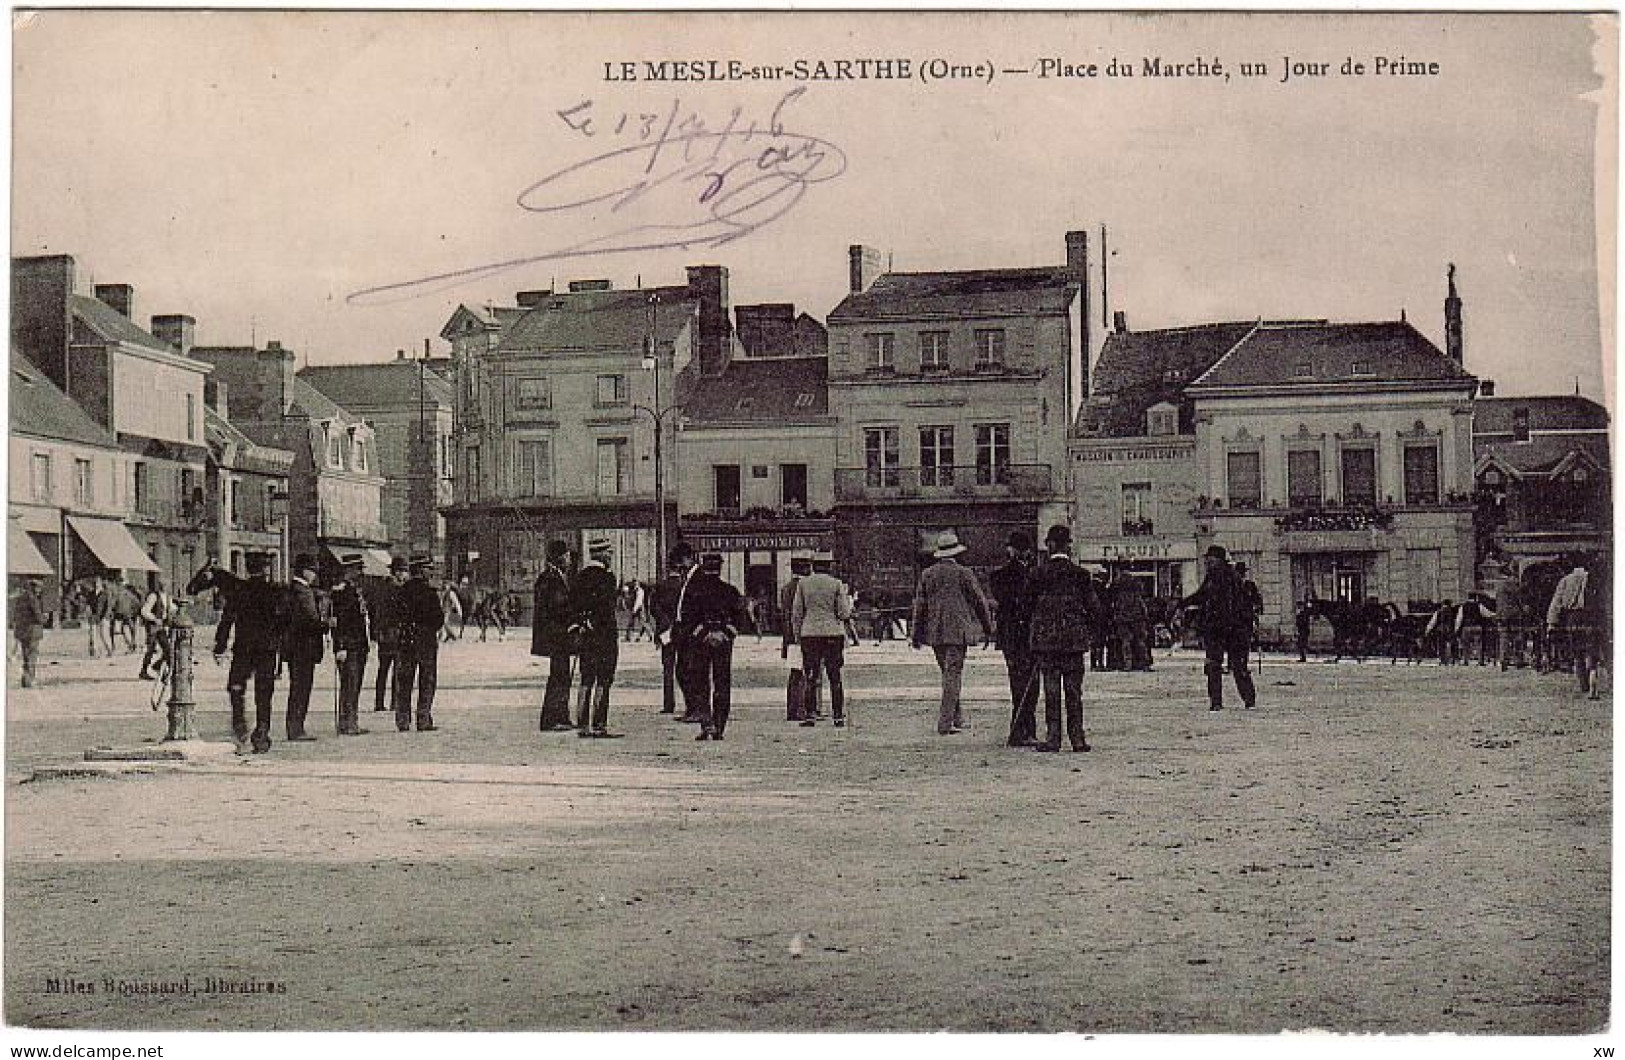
(350, 642)
(1011, 633)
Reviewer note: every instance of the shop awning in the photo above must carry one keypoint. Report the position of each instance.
(37, 520)
(21, 555)
(374, 561)
(111, 543)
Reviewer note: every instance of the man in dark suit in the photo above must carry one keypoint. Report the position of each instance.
(307, 630)
(1064, 609)
(1011, 633)
(550, 636)
(593, 593)
(351, 629)
(1225, 620)
(386, 630)
(663, 610)
(708, 622)
(418, 661)
(257, 610)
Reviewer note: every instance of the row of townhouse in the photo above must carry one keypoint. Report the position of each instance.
(135, 452)
(1339, 459)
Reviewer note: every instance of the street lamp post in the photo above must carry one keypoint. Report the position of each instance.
(651, 362)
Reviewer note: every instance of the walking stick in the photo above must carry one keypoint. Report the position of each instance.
(338, 681)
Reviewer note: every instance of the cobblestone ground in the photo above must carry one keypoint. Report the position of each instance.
(1375, 848)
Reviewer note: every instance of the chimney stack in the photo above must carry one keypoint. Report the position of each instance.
(531, 299)
(1486, 388)
(708, 284)
(121, 296)
(176, 329)
(1452, 319)
(866, 265)
(41, 293)
(1120, 322)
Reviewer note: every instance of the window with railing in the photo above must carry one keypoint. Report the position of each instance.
(936, 456)
(614, 472)
(532, 467)
(1244, 484)
(992, 453)
(880, 456)
(1422, 474)
(1359, 475)
(1303, 484)
(84, 483)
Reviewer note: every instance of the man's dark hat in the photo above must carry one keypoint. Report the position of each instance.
(398, 564)
(558, 548)
(1059, 534)
(1020, 540)
(680, 554)
(1216, 552)
(711, 561)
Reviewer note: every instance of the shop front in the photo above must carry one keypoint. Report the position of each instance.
(756, 558)
(1167, 568)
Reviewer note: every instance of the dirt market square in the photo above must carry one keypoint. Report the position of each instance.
(1376, 848)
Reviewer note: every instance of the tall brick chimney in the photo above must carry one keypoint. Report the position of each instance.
(41, 315)
(708, 284)
(865, 266)
(121, 296)
(177, 329)
(214, 396)
(1452, 318)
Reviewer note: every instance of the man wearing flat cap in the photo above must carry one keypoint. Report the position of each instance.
(950, 614)
(550, 635)
(708, 622)
(592, 622)
(418, 662)
(1014, 620)
(307, 632)
(351, 640)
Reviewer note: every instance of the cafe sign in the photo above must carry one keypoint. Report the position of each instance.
(1135, 550)
(758, 542)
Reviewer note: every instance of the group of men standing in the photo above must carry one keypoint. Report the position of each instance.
(264, 626)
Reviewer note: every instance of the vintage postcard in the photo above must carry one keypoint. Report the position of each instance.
(1024, 524)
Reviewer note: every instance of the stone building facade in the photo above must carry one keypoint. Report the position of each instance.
(953, 393)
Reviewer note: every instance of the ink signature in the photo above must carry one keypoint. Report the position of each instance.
(671, 181)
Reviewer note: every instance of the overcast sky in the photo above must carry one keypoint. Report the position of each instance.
(257, 171)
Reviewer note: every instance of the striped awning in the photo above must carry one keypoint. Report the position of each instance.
(374, 561)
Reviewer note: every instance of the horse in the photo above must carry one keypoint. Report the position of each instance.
(124, 606)
(1356, 627)
(1404, 633)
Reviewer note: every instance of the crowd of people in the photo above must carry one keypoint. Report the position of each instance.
(1052, 618)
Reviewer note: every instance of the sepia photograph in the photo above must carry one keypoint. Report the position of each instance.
(1062, 526)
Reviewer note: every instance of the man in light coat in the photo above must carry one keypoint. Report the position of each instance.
(819, 615)
(950, 614)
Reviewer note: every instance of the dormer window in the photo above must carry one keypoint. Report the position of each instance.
(1161, 420)
(1361, 368)
(335, 445)
(358, 449)
(1304, 370)
(804, 400)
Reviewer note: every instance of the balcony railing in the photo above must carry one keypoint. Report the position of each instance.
(972, 482)
(1137, 528)
(170, 511)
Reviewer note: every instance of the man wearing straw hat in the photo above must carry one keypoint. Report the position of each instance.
(950, 614)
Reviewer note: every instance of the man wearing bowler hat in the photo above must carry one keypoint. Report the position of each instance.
(307, 631)
(708, 622)
(386, 630)
(550, 635)
(1009, 585)
(950, 614)
(1225, 620)
(419, 659)
(351, 622)
(592, 621)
